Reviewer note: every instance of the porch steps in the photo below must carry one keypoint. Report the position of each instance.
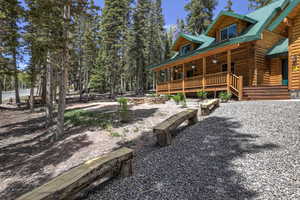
(266, 93)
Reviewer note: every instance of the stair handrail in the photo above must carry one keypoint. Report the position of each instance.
(236, 84)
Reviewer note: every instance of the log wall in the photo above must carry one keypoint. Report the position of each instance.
(262, 66)
(294, 54)
(275, 71)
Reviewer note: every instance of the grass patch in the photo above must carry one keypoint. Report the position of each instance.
(115, 134)
(87, 118)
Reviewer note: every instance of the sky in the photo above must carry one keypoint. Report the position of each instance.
(173, 11)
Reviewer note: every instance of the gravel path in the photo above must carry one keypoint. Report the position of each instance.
(244, 150)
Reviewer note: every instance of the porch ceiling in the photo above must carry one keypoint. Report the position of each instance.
(198, 56)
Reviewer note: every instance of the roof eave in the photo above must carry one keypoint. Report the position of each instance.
(182, 35)
(285, 13)
(199, 51)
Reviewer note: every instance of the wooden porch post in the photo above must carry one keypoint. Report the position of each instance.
(183, 77)
(204, 72)
(156, 81)
(169, 80)
(241, 88)
(228, 69)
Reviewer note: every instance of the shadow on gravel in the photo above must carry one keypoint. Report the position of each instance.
(201, 164)
(31, 165)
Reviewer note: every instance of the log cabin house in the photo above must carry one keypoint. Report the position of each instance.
(253, 56)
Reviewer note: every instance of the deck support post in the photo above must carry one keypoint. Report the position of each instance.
(228, 69)
(169, 80)
(204, 72)
(183, 77)
(241, 89)
(156, 81)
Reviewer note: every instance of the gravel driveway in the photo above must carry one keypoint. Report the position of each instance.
(244, 150)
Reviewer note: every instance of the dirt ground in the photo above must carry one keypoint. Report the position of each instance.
(25, 164)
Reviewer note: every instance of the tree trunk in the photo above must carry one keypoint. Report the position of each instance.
(61, 103)
(63, 75)
(16, 79)
(49, 96)
(31, 99)
(1, 89)
(54, 87)
(80, 80)
(43, 91)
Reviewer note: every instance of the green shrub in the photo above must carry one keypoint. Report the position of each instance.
(123, 109)
(202, 95)
(183, 99)
(169, 97)
(225, 96)
(177, 99)
(123, 102)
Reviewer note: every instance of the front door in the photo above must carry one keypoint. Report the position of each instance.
(285, 72)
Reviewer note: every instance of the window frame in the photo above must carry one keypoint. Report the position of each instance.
(182, 47)
(227, 30)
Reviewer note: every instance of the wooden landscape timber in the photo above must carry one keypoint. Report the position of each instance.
(208, 107)
(148, 100)
(99, 170)
(163, 131)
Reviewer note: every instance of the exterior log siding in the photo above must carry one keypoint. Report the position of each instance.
(262, 67)
(276, 71)
(294, 55)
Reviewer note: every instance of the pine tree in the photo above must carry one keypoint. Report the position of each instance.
(180, 26)
(114, 23)
(229, 6)
(11, 13)
(255, 4)
(138, 46)
(200, 15)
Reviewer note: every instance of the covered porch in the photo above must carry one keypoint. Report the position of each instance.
(211, 72)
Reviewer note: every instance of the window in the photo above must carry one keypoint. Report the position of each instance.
(190, 73)
(185, 49)
(229, 32)
(224, 68)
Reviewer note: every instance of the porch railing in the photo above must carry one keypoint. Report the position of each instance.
(193, 82)
(162, 87)
(217, 79)
(236, 85)
(233, 83)
(176, 84)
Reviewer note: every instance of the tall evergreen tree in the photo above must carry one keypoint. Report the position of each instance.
(200, 15)
(255, 4)
(180, 26)
(11, 14)
(113, 31)
(138, 48)
(228, 7)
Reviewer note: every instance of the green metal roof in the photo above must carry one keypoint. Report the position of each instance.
(285, 13)
(262, 16)
(199, 39)
(280, 48)
(192, 38)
